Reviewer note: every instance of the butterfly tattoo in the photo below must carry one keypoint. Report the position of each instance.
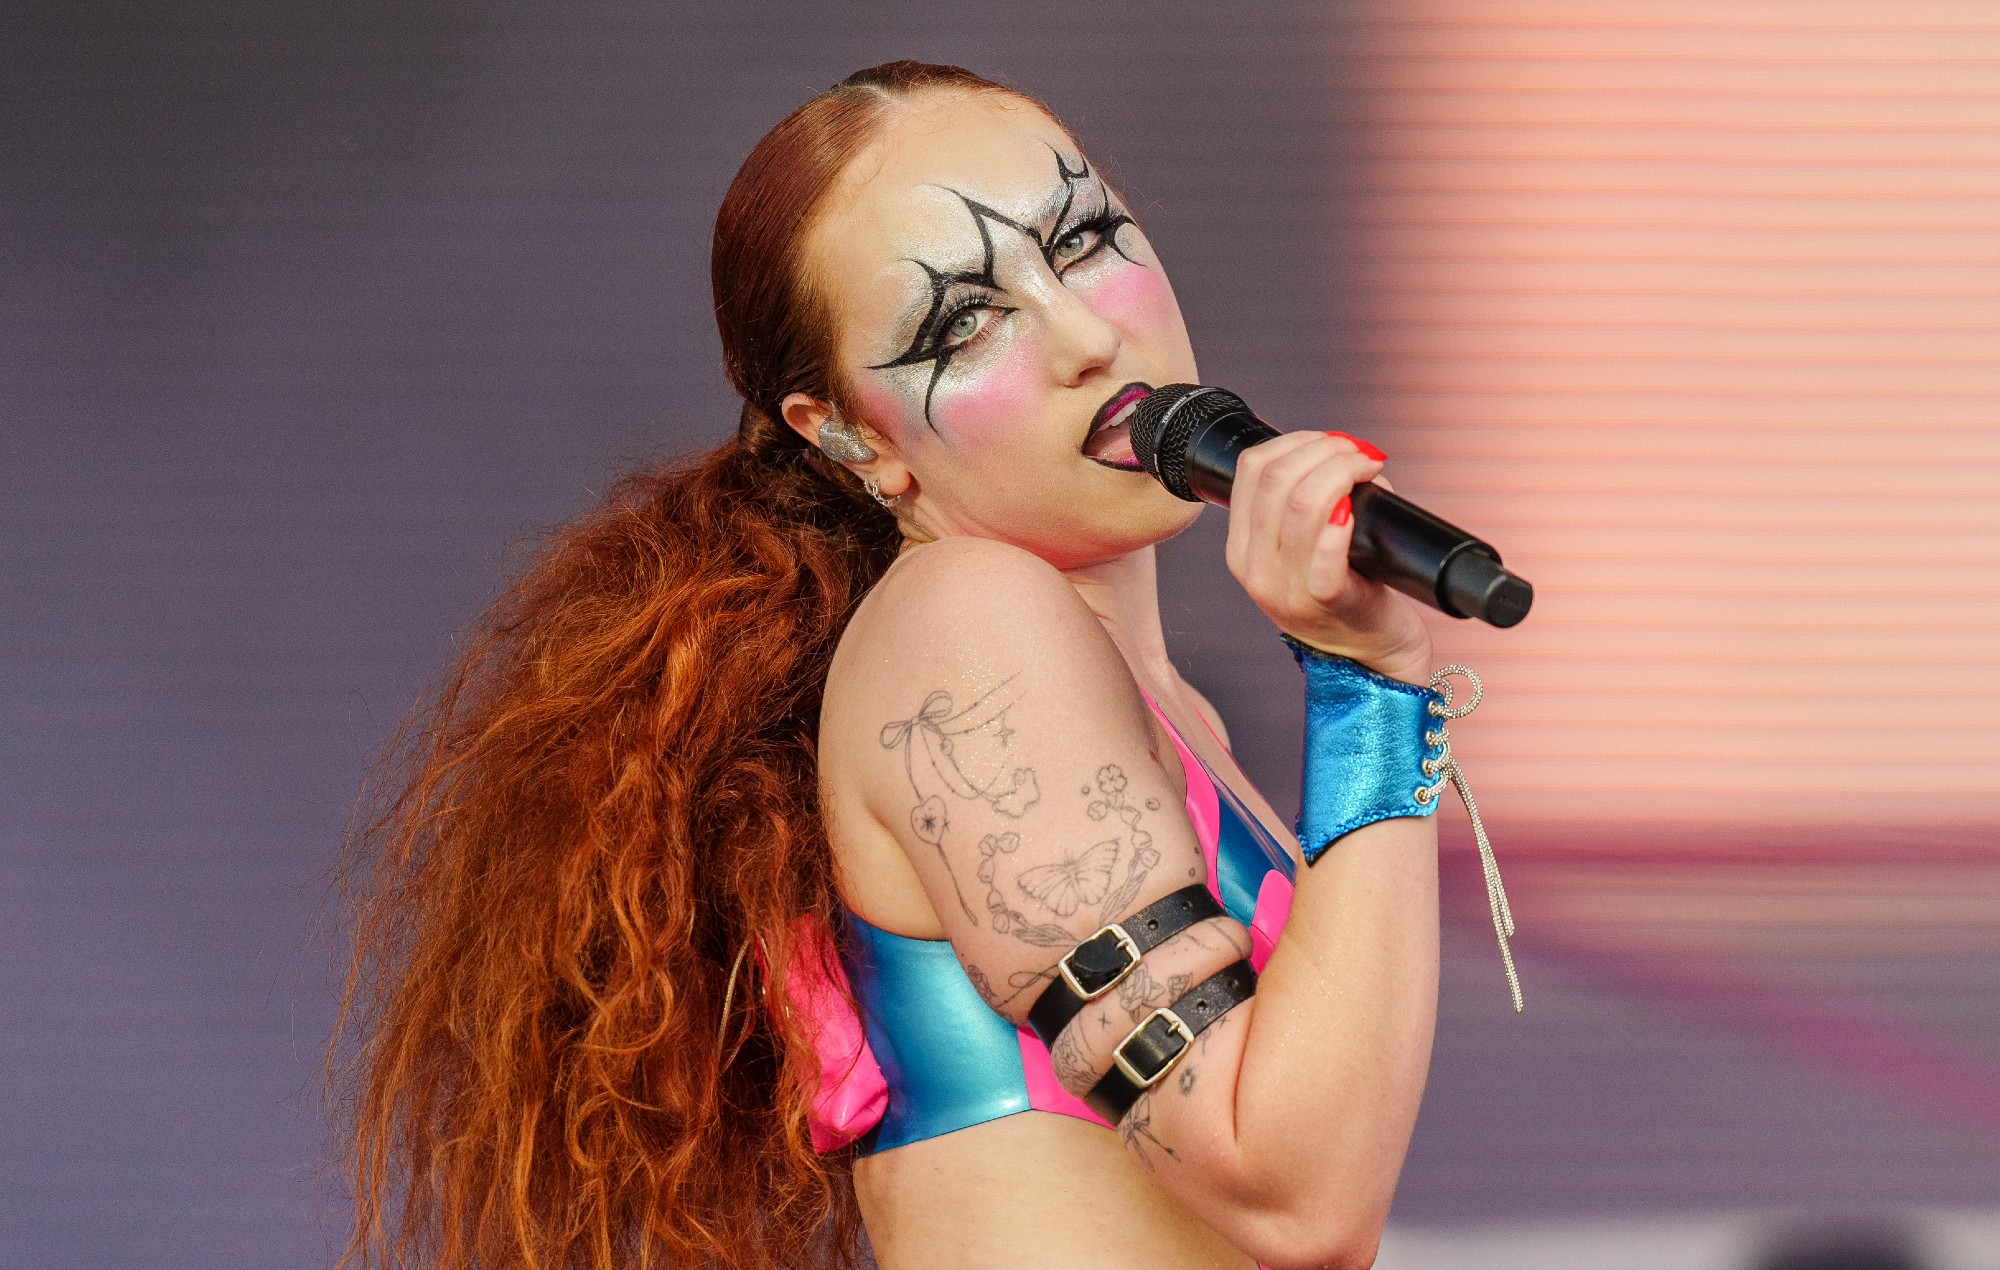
(1084, 878)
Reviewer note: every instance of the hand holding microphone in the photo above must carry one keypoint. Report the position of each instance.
(1190, 438)
(1283, 549)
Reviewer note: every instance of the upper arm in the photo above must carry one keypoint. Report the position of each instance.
(994, 730)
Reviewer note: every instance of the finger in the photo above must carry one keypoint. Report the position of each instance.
(1318, 505)
(1327, 575)
(1309, 507)
(1244, 493)
(1276, 482)
(1307, 500)
(1299, 494)
(1368, 448)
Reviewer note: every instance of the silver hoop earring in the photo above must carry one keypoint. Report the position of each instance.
(875, 492)
(838, 442)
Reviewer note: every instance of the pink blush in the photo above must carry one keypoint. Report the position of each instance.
(994, 400)
(880, 405)
(1131, 299)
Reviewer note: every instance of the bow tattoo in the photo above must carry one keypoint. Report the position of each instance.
(965, 753)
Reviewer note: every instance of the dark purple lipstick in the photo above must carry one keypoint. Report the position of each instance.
(1109, 441)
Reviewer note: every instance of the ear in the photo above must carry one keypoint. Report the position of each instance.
(804, 414)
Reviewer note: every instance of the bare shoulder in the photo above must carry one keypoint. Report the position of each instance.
(965, 593)
(968, 620)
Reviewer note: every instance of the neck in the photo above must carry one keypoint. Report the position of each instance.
(1124, 592)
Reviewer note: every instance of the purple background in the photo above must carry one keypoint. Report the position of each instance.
(307, 311)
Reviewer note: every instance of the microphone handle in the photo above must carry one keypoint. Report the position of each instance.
(1396, 542)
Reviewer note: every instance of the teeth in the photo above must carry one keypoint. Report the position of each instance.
(1119, 415)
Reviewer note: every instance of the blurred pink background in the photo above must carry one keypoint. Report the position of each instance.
(1695, 309)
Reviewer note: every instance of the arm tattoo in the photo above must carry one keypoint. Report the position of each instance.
(1139, 993)
(1007, 920)
(1234, 935)
(1070, 1065)
(1085, 878)
(1079, 878)
(1020, 981)
(983, 985)
(1136, 1131)
(1188, 1065)
(964, 754)
(943, 737)
(1111, 785)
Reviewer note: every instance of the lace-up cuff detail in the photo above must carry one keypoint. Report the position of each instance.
(1370, 752)
(1379, 748)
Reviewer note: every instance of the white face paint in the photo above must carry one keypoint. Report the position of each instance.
(993, 299)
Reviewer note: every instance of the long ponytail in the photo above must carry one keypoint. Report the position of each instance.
(609, 797)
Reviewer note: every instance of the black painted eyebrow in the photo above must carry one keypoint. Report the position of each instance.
(923, 345)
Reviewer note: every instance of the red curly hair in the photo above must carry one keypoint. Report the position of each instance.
(612, 792)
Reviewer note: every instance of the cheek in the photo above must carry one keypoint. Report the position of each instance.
(995, 398)
(885, 408)
(1133, 299)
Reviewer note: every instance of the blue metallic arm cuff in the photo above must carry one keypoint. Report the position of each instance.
(1368, 738)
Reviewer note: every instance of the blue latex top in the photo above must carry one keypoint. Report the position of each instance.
(1245, 852)
(949, 1060)
(1364, 750)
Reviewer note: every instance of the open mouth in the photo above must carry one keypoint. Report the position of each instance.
(1109, 441)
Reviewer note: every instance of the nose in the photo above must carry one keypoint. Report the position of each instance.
(1080, 339)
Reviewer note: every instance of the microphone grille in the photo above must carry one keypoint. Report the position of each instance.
(1163, 422)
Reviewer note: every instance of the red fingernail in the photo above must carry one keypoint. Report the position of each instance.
(1361, 445)
(1342, 510)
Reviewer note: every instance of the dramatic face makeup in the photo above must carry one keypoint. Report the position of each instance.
(1074, 231)
(998, 313)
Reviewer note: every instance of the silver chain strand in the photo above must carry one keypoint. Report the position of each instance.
(875, 492)
(1446, 769)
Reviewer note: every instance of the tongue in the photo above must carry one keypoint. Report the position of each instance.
(1113, 444)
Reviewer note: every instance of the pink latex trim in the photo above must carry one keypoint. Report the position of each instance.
(1045, 1092)
(853, 1095)
(1204, 805)
(1274, 895)
(1274, 907)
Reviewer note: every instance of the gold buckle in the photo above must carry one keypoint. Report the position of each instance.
(1174, 1024)
(1124, 941)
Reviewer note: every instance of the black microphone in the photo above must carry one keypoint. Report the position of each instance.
(1190, 436)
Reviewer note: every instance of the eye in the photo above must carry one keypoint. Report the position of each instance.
(1075, 245)
(962, 327)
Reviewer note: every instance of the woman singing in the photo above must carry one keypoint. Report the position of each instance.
(818, 833)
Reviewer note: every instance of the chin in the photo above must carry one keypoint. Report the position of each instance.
(1169, 515)
(1152, 500)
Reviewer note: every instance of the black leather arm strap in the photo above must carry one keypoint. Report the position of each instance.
(1096, 965)
(1151, 1050)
